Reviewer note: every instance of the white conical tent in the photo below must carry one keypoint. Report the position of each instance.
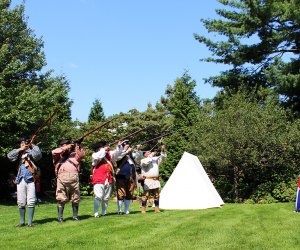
(189, 187)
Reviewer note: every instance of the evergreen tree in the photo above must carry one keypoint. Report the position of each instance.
(183, 106)
(96, 113)
(260, 39)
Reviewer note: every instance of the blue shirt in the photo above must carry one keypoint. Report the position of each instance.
(126, 171)
(23, 172)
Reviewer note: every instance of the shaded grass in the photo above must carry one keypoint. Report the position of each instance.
(234, 226)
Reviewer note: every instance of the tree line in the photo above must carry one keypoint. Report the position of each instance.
(246, 137)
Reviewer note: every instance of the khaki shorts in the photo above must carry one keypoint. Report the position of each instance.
(68, 188)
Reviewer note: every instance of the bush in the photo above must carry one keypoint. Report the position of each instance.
(264, 190)
(285, 192)
(86, 190)
(249, 201)
(268, 199)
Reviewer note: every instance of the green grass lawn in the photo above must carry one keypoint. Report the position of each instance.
(234, 226)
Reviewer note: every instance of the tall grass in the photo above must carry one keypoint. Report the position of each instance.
(234, 226)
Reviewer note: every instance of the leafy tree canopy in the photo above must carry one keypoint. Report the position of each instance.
(246, 144)
(27, 96)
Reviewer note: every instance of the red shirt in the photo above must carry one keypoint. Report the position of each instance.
(103, 171)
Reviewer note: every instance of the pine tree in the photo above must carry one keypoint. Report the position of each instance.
(260, 40)
(183, 106)
(96, 113)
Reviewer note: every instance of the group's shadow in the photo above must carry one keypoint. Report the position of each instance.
(81, 217)
(49, 220)
(122, 214)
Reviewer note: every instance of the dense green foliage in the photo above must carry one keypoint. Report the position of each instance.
(260, 41)
(27, 96)
(247, 144)
(253, 227)
(247, 141)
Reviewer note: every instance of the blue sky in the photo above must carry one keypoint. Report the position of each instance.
(122, 52)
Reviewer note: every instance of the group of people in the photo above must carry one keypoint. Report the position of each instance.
(110, 166)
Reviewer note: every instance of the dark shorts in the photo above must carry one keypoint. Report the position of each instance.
(151, 192)
(125, 188)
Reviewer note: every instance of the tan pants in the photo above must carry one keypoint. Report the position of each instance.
(68, 188)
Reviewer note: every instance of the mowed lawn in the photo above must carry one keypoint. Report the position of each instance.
(234, 226)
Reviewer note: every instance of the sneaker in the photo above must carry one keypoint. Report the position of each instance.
(127, 212)
(75, 218)
(60, 220)
(120, 213)
(30, 225)
(96, 215)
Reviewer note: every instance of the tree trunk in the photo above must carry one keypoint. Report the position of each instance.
(235, 182)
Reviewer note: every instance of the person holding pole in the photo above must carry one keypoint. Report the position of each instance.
(66, 159)
(150, 172)
(103, 173)
(26, 154)
(126, 180)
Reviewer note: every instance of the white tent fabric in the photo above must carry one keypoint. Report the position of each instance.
(189, 187)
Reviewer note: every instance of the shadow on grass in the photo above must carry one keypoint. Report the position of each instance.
(49, 220)
(133, 212)
(44, 221)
